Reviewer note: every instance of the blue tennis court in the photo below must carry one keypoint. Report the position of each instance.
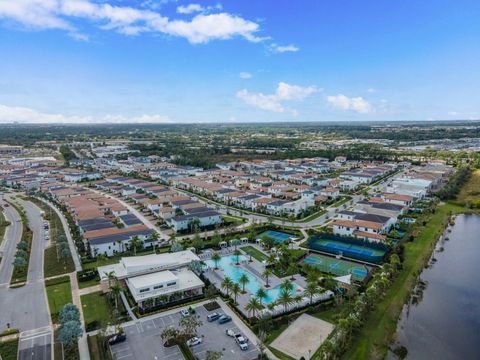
(338, 267)
(277, 236)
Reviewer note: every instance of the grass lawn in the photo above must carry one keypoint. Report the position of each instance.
(96, 308)
(64, 352)
(380, 327)
(58, 295)
(3, 226)
(255, 253)
(88, 283)
(471, 190)
(313, 216)
(341, 202)
(96, 352)
(9, 350)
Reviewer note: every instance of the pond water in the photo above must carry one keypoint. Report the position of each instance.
(443, 320)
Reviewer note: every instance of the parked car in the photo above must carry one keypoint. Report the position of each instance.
(194, 341)
(241, 341)
(230, 332)
(213, 316)
(117, 338)
(184, 312)
(224, 319)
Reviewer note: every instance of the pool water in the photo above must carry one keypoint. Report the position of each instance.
(234, 272)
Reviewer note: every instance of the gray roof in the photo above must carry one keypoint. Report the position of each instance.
(119, 237)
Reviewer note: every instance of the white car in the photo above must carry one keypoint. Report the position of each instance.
(194, 341)
(230, 332)
(241, 341)
(184, 312)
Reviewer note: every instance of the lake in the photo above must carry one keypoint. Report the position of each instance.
(443, 320)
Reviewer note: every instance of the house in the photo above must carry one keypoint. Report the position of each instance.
(330, 192)
(399, 199)
(203, 219)
(370, 230)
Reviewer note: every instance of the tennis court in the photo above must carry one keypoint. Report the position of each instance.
(277, 236)
(338, 267)
(351, 249)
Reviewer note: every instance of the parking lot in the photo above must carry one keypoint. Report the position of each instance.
(144, 341)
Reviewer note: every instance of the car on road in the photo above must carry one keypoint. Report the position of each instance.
(213, 316)
(224, 319)
(184, 312)
(194, 341)
(117, 338)
(241, 341)
(6, 205)
(230, 332)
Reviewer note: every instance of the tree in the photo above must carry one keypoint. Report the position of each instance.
(116, 289)
(198, 243)
(236, 243)
(216, 240)
(154, 239)
(243, 280)
(237, 254)
(266, 274)
(311, 290)
(22, 245)
(235, 290)
(190, 324)
(287, 285)
(261, 294)
(69, 332)
(111, 278)
(20, 262)
(268, 242)
(69, 312)
(253, 305)
(210, 291)
(227, 285)
(134, 243)
(292, 269)
(176, 247)
(216, 259)
(196, 266)
(285, 298)
(213, 355)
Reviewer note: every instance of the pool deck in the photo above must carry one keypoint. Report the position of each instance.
(256, 268)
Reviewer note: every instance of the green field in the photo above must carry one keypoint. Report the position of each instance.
(59, 293)
(96, 308)
(253, 252)
(3, 226)
(9, 350)
(338, 267)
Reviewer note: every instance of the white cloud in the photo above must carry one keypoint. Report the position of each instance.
(371, 90)
(10, 114)
(191, 8)
(283, 48)
(60, 14)
(357, 104)
(245, 75)
(273, 102)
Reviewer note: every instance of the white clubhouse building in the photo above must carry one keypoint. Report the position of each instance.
(156, 279)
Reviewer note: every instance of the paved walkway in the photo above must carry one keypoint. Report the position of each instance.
(82, 342)
(66, 228)
(89, 290)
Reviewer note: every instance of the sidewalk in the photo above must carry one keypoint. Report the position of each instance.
(82, 342)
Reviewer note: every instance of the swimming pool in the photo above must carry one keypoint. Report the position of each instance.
(234, 272)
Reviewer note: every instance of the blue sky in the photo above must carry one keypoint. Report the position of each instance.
(238, 61)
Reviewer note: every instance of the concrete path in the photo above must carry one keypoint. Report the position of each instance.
(82, 342)
(89, 290)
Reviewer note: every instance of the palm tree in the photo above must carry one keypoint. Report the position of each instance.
(235, 243)
(253, 305)
(237, 254)
(235, 290)
(216, 258)
(285, 299)
(111, 278)
(227, 285)
(271, 259)
(287, 285)
(116, 289)
(311, 290)
(154, 238)
(261, 294)
(266, 274)
(243, 280)
(292, 269)
(134, 243)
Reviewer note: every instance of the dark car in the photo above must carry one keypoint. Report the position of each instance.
(224, 319)
(117, 338)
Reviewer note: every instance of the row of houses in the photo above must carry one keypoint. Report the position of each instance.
(374, 218)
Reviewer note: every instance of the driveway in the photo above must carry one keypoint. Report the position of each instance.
(144, 340)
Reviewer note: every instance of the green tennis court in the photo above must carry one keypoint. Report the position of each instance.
(277, 236)
(338, 267)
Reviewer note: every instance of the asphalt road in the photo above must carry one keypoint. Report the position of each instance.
(9, 245)
(25, 308)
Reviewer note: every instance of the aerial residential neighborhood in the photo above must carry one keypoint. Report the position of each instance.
(239, 180)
